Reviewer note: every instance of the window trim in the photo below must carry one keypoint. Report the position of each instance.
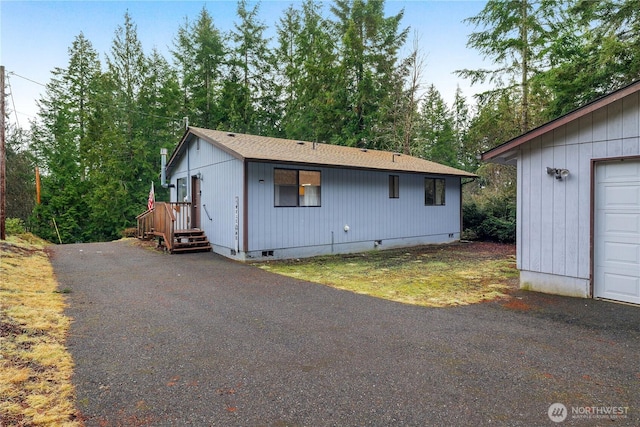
(300, 189)
(437, 184)
(182, 189)
(394, 186)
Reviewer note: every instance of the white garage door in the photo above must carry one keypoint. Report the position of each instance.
(617, 231)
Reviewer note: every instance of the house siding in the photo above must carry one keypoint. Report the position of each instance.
(240, 220)
(222, 181)
(357, 198)
(554, 216)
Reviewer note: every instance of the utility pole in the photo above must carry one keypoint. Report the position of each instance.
(3, 161)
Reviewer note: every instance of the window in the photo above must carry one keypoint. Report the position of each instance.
(394, 186)
(296, 188)
(182, 190)
(434, 191)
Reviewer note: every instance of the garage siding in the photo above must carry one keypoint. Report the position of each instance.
(554, 216)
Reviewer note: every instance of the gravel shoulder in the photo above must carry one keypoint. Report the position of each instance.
(173, 340)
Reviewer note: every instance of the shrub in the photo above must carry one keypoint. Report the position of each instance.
(494, 220)
(498, 230)
(129, 232)
(14, 226)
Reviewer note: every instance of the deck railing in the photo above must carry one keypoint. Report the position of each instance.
(163, 220)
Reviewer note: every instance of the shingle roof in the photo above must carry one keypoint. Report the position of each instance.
(260, 148)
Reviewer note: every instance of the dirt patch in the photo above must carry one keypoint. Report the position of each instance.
(8, 248)
(517, 304)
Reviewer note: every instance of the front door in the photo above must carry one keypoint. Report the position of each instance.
(195, 202)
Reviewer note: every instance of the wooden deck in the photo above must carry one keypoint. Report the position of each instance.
(169, 223)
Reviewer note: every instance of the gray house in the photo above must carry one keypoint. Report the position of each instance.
(578, 207)
(258, 197)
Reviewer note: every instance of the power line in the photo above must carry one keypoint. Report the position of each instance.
(105, 104)
(26, 78)
(13, 100)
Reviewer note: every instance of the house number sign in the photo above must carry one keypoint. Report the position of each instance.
(237, 224)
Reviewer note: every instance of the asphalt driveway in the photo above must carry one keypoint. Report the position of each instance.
(173, 340)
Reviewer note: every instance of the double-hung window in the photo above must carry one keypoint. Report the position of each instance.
(294, 187)
(434, 191)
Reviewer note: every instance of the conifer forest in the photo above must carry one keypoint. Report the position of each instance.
(339, 72)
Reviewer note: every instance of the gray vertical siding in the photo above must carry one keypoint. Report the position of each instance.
(554, 216)
(222, 180)
(357, 198)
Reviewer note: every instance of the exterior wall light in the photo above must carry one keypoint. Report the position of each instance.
(558, 173)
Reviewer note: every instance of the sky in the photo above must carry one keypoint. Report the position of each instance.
(35, 37)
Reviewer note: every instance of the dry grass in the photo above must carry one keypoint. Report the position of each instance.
(35, 367)
(435, 276)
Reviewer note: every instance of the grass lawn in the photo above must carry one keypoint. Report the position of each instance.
(434, 275)
(35, 367)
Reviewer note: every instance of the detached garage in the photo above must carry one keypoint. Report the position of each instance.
(578, 207)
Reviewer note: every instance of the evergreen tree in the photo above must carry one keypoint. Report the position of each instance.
(368, 57)
(513, 34)
(121, 153)
(160, 100)
(255, 93)
(307, 69)
(59, 142)
(127, 68)
(466, 148)
(398, 131)
(199, 52)
(289, 69)
(596, 51)
(20, 183)
(436, 136)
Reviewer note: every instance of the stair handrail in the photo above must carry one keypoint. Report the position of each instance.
(144, 224)
(164, 220)
(207, 212)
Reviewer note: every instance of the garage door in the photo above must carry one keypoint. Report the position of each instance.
(617, 231)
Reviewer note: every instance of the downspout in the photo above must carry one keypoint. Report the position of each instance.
(163, 167)
(188, 173)
(245, 207)
(461, 209)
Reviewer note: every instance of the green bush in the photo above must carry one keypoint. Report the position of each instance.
(498, 230)
(14, 226)
(494, 221)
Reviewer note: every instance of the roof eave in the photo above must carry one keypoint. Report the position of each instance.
(506, 150)
(370, 168)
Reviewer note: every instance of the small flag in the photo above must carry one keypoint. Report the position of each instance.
(152, 198)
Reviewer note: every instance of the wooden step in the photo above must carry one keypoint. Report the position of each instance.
(186, 249)
(192, 240)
